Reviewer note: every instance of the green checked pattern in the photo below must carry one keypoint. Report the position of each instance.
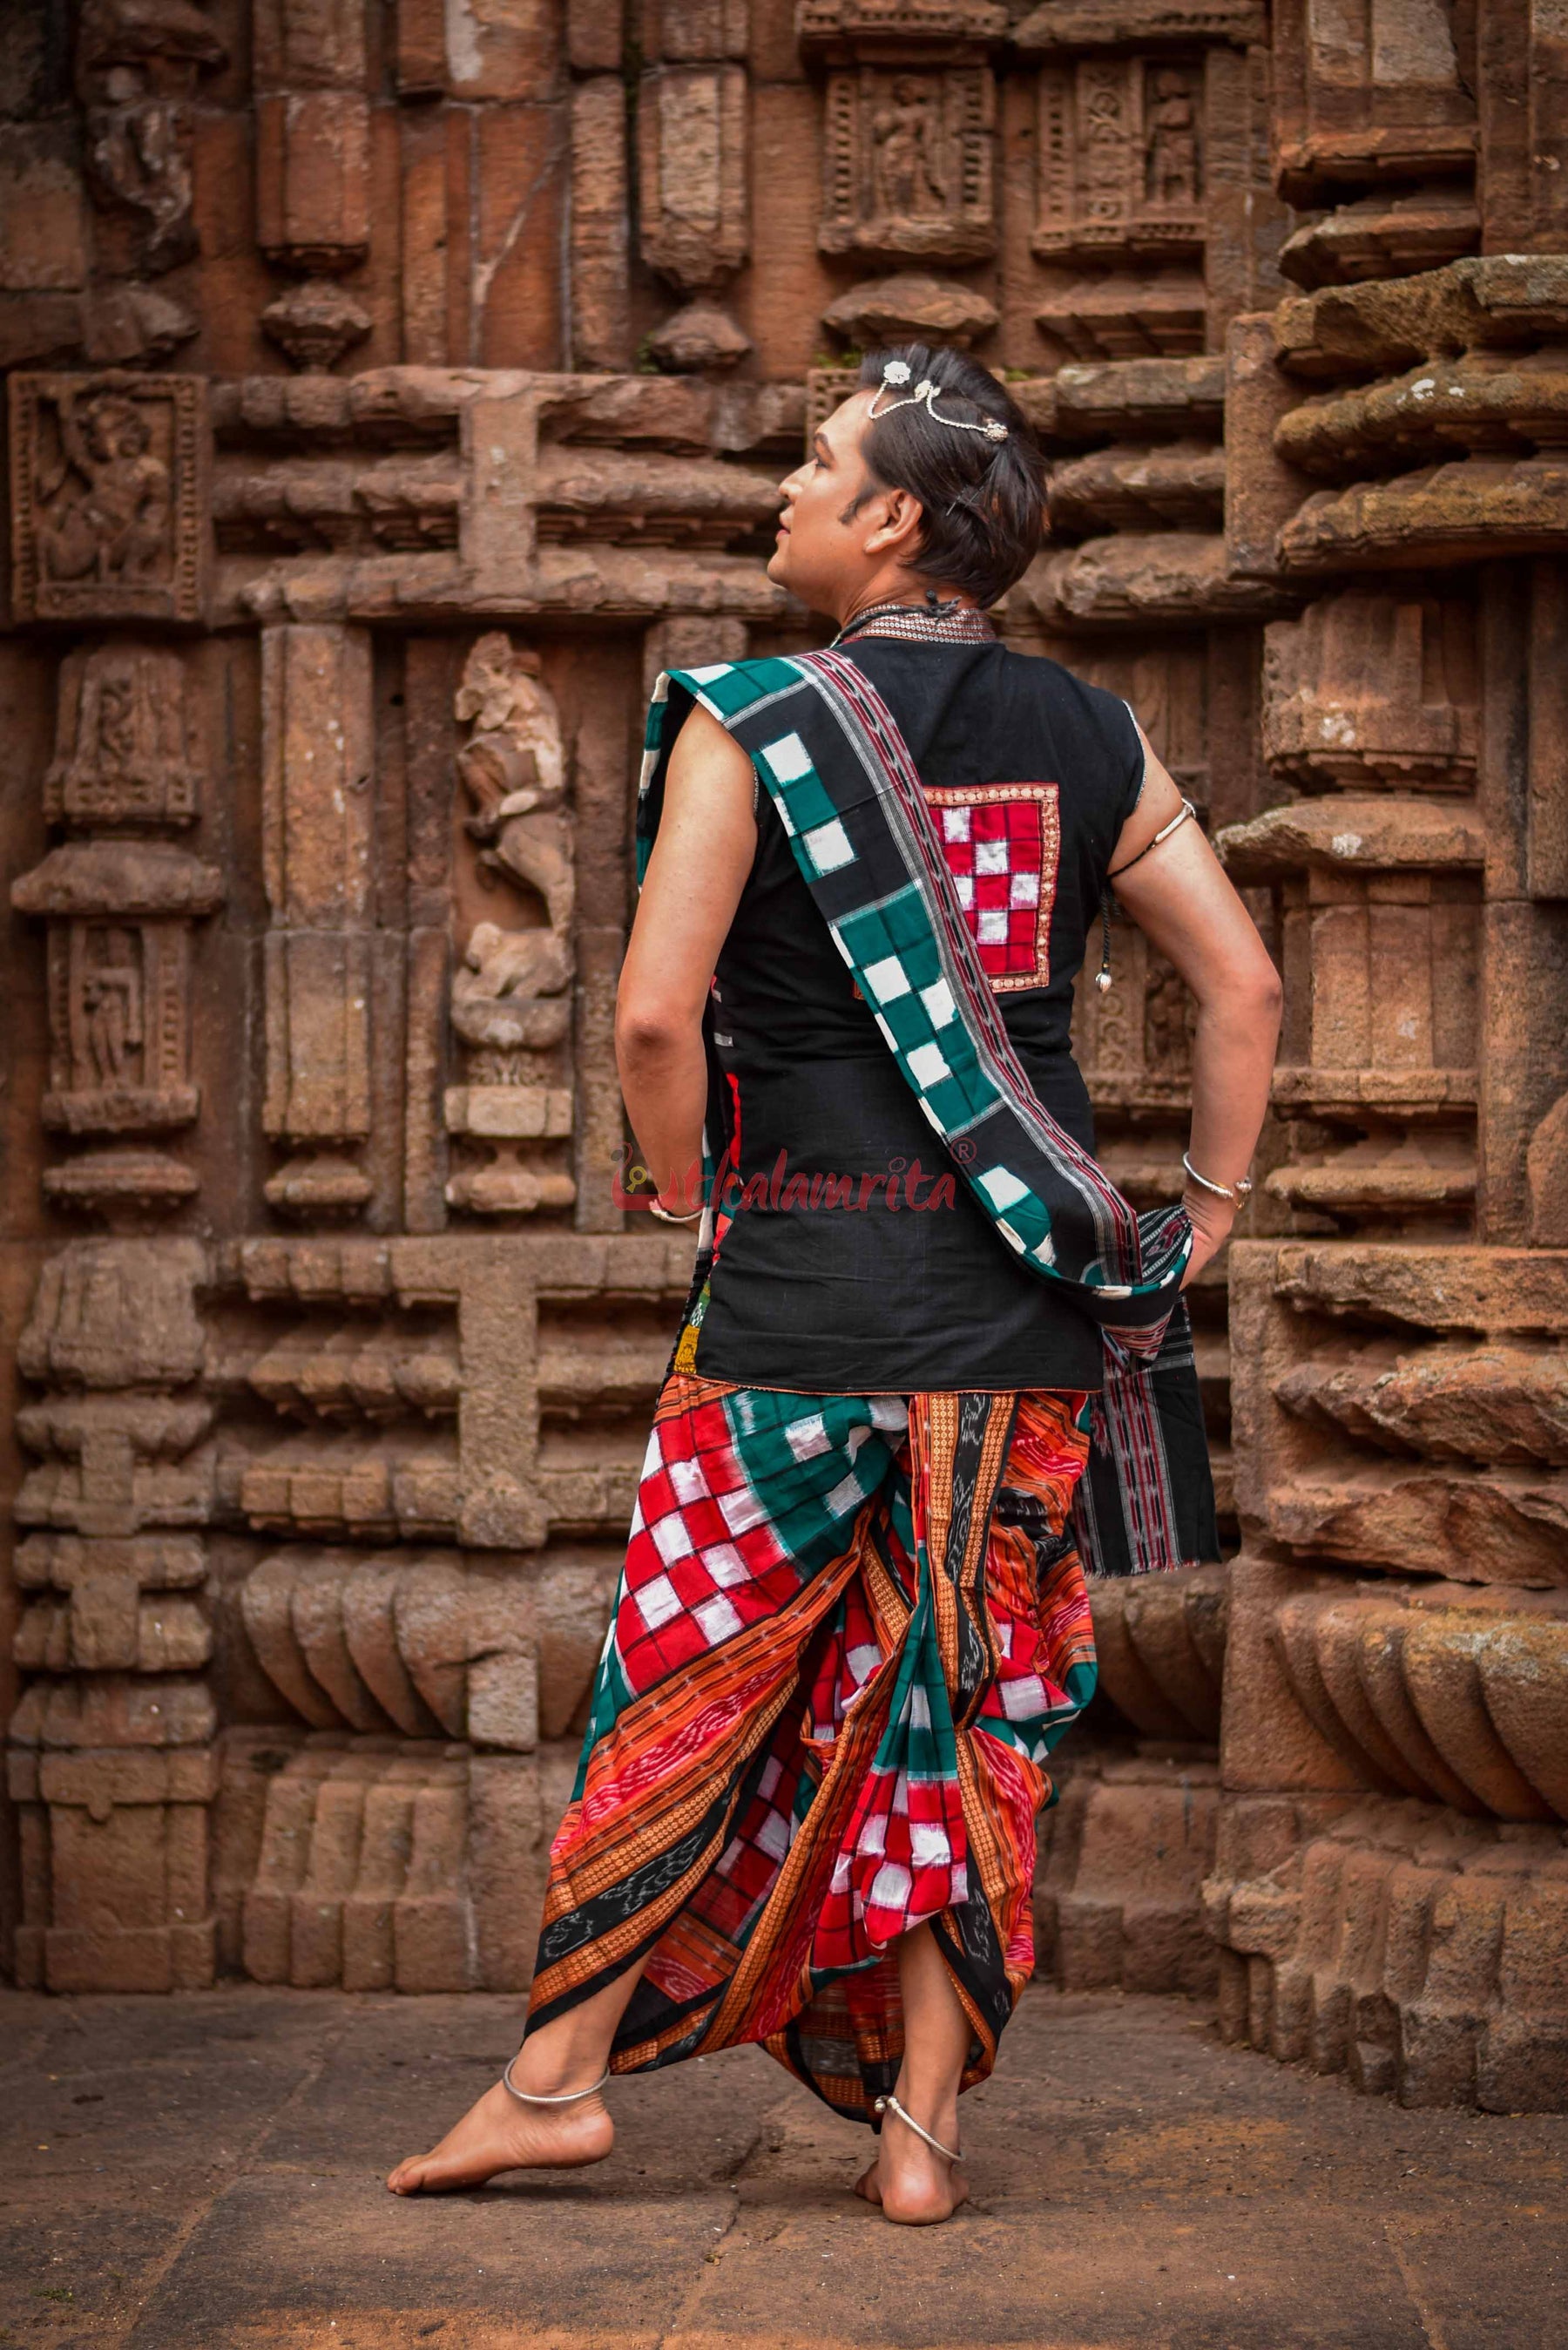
(890, 945)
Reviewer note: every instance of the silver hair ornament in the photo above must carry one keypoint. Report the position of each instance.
(924, 395)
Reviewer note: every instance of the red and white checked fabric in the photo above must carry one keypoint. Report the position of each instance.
(1002, 844)
(739, 1504)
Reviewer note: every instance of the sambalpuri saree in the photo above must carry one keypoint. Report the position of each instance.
(849, 1628)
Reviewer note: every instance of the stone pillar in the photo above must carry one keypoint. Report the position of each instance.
(316, 784)
(692, 143)
(312, 171)
(112, 1755)
(1392, 1806)
(600, 240)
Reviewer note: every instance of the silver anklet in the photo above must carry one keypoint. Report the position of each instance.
(564, 2097)
(889, 2104)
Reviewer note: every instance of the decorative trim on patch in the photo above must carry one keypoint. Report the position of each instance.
(1002, 843)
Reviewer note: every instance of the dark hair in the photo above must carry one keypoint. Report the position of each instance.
(982, 501)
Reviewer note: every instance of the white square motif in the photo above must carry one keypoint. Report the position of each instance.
(725, 1564)
(828, 846)
(718, 1618)
(886, 979)
(788, 757)
(658, 1601)
(926, 1065)
(670, 1539)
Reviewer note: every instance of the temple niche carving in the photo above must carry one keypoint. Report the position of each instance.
(109, 506)
(120, 908)
(511, 1002)
(907, 164)
(349, 525)
(1121, 159)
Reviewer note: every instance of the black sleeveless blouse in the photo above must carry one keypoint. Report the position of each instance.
(874, 1274)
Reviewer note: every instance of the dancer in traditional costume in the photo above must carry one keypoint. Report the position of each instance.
(934, 1370)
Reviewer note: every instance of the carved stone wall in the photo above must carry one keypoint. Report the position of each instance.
(392, 394)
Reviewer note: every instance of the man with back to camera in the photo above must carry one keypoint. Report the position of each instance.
(933, 1369)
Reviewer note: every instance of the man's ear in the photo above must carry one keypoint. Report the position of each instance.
(898, 532)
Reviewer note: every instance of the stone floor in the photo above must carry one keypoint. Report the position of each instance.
(197, 2173)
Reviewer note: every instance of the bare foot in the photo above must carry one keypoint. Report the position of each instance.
(915, 2185)
(498, 2134)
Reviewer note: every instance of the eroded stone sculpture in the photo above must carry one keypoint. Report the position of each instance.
(510, 1003)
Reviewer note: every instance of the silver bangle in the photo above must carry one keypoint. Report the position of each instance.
(667, 1217)
(1236, 1192)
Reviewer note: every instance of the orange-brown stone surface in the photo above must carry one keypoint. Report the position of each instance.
(207, 2169)
(392, 394)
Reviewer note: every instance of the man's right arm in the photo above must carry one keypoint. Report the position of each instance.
(707, 838)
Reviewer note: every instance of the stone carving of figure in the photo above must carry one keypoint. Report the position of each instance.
(1105, 156)
(510, 996)
(907, 171)
(111, 1014)
(124, 753)
(104, 506)
(137, 159)
(1172, 167)
(514, 768)
(135, 62)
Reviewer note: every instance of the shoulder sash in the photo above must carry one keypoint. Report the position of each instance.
(829, 753)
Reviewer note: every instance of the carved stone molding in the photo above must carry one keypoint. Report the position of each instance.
(912, 308)
(1500, 301)
(837, 29)
(1455, 1695)
(1373, 688)
(378, 1865)
(1375, 99)
(1413, 1950)
(1160, 1642)
(500, 1652)
(1411, 1444)
(111, 1754)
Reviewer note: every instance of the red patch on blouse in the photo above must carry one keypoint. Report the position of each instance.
(1002, 843)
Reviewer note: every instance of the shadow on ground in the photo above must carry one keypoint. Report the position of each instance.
(196, 2173)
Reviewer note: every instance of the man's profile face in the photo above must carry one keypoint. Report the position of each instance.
(821, 542)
